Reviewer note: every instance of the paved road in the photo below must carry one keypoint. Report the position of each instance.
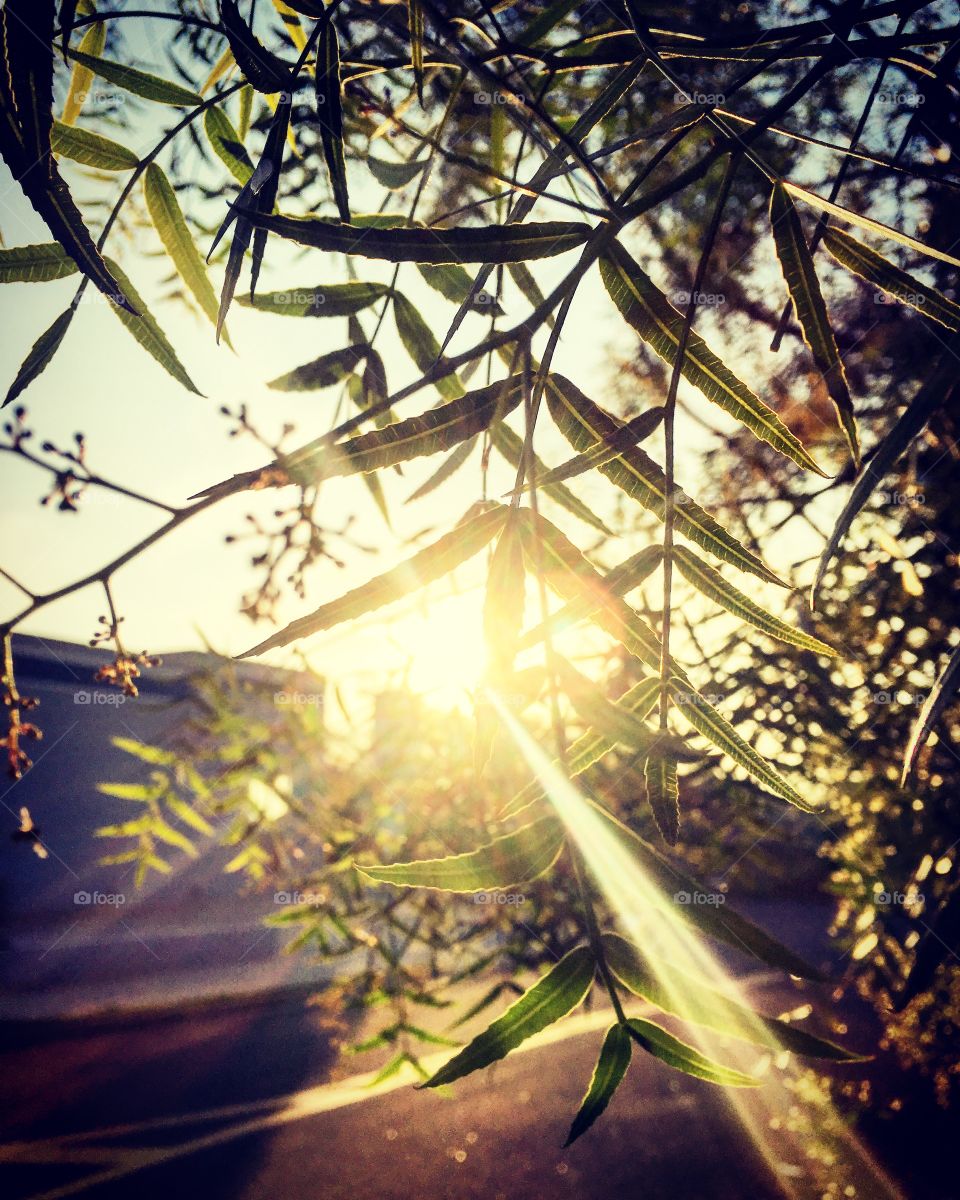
(250, 1104)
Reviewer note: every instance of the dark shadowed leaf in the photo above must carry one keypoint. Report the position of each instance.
(395, 175)
(607, 1076)
(553, 996)
(323, 372)
(35, 264)
(42, 350)
(800, 274)
(882, 273)
(940, 696)
(149, 334)
(330, 114)
(325, 300)
(139, 83)
(261, 67)
(450, 465)
(663, 794)
(419, 341)
(463, 244)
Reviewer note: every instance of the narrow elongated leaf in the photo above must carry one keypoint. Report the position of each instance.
(324, 300)
(221, 69)
(35, 264)
(323, 372)
(266, 195)
(41, 352)
(91, 149)
(92, 42)
(655, 319)
(572, 577)
(428, 433)
(882, 273)
(434, 561)
(164, 210)
(663, 795)
(553, 996)
(395, 175)
(673, 889)
(149, 334)
(940, 696)
(934, 394)
(800, 274)
(506, 594)
(868, 223)
(26, 126)
(450, 465)
(590, 747)
(676, 991)
(462, 244)
(421, 345)
(620, 580)
(416, 25)
(261, 67)
(227, 144)
(584, 424)
(670, 1050)
(455, 284)
(711, 583)
(511, 859)
(330, 114)
(616, 722)
(607, 1076)
(627, 436)
(507, 443)
(139, 83)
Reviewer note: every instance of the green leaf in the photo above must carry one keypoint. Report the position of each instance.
(323, 372)
(395, 175)
(448, 552)
(584, 423)
(263, 69)
(173, 837)
(663, 795)
(655, 319)
(128, 791)
(164, 209)
(800, 275)
(35, 264)
(421, 345)
(154, 755)
(507, 443)
(460, 244)
(330, 114)
(625, 438)
(505, 595)
(882, 273)
(41, 352)
(553, 996)
(671, 890)
(939, 697)
(682, 994)
(324, 300)
(428, 433)
(868, 223)
(607, 1076)
(227, 144)
(416, 26)
(451, 464)
(149, 334)
(91, 149)
(511, 859)
(934, 394)
(591, 746)
(92, 42)
(455, 285)
(188, 814)
(140, 83)
(670, 1050)
(711, 583)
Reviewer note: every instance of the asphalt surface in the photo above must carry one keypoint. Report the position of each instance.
(252, 1103)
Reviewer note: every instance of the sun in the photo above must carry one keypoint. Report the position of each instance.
(439, 646)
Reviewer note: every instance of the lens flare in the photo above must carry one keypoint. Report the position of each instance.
(802, 1138)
